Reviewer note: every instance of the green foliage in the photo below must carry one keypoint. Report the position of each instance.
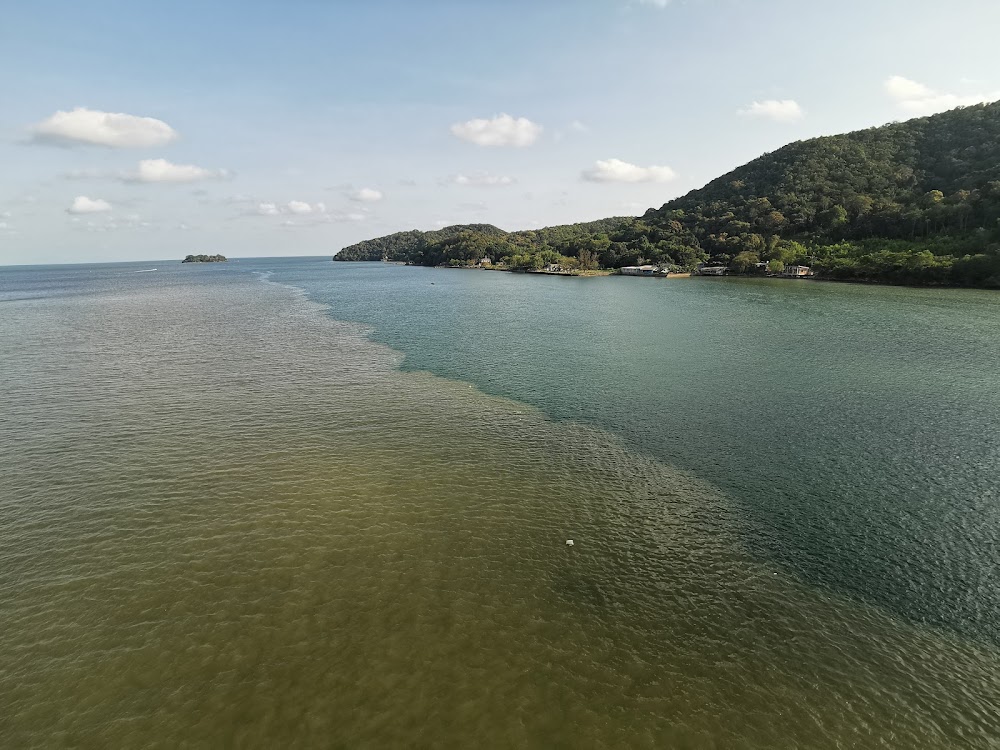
(745, 262)
(410, 247)
(204, 259)
(915, 202)
(912, 202)
(608, 243)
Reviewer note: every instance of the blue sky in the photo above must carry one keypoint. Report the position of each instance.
(295, 128)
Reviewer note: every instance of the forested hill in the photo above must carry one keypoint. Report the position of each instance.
(911, 202)
(407, 246)
(464, 244)
(903, 200)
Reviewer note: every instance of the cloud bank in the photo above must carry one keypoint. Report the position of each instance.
(616, 170)
(84, 205)
(917, 99)
(161, 170)
(110, 129)
(783, 110)
(502, 130)
(367, 195)
(295, 208)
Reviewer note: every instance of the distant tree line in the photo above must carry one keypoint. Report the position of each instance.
(204, 259)
(915, 202)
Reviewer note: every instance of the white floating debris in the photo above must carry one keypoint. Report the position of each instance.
(569, 542)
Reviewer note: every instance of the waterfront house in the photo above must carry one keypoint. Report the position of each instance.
(798, 272)
(645, 270)
(712, 271)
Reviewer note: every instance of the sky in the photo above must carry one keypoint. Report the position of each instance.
(133, 131)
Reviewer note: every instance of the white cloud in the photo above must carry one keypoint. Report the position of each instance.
(917, 99)
(355, 217)
(502, 130)
(616, 170)
(482, 179)
(161, 170)
(902, 89)
(579, 127)
(84, 205)
(655, 3)
(112, 129)
(783, 110)
(367, 195)
(291, 208)
(152, 170)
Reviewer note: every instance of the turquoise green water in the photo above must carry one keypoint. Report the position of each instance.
(845, 421)
(231, 519)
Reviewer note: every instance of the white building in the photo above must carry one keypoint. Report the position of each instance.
(798, 271)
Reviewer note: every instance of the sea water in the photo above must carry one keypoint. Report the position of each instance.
(297, 503)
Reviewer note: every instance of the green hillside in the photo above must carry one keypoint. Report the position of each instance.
(411, 246)
(912, 202)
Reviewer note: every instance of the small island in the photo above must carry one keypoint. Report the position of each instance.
(205, 259)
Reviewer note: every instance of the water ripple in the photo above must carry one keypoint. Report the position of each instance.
(231, 521)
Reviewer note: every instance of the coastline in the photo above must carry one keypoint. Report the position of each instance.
(538, 272)
(687, 275)
(585, 274)
(858, 282)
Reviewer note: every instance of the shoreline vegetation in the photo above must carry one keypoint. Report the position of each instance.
(673, 275)
(915, 203)
(538, 271)
(205, 259)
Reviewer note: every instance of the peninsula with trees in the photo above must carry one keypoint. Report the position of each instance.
(914, 202)
(205, 259)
